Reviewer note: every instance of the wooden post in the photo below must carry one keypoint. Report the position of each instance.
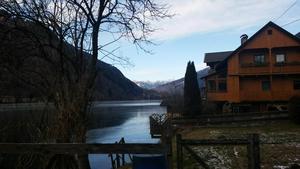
(170, 154)
(118, 160)
(167, 141)
(151, 126)
(123, 159)
(117, 157)
(179, 152)
(256, 150)
(122, 141)
(253, 152)
(112, 161)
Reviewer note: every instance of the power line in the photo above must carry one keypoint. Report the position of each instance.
(291, 22)
(286, 10)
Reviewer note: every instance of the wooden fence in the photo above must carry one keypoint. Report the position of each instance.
(160, 126)
(82, 148)
(85, 148)
(252, 143)
(118, 160)
(230, 118)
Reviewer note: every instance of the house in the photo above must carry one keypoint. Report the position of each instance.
(263, 73)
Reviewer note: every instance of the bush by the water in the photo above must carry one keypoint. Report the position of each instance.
(173, 101)
(294, 109)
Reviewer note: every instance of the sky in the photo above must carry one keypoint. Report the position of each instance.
(199, 27)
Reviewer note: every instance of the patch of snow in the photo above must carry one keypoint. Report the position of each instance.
(280, 167)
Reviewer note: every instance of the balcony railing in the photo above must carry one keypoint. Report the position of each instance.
(254, 64)
(287, 64)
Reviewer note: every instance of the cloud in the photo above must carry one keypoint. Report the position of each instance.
(202, 16)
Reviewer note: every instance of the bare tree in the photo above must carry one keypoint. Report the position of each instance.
(69, 36)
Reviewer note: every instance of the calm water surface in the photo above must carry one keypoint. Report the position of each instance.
(110, 121)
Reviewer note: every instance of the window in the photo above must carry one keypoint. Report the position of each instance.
(211, 85)
(222, 85)
(259, 59)
(297, 84)
(280, 58)
(265, 85)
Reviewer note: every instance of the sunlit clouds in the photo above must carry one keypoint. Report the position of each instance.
(201, 16)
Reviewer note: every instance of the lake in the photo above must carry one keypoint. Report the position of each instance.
(112, 120)
(109, 122)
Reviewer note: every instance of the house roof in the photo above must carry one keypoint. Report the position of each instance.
(211, 72)
(216, 56)
(269, 24)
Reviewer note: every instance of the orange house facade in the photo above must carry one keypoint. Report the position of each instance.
(263, 71)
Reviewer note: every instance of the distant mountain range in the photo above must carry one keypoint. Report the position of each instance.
(110, 84)
(177, 86)
(150, 85)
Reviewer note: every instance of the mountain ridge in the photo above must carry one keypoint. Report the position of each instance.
(19, 52)
(177, 86)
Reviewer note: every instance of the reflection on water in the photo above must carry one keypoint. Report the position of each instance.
(110, 121)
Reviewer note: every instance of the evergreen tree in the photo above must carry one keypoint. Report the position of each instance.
(192, 97)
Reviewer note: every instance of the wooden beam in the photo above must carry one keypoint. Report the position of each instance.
(81, 148)
(215, 142)
(196, 157)
(179, 152)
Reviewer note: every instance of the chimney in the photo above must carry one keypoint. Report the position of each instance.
(244, 38)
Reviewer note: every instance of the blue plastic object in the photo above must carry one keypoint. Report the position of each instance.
(149, 162)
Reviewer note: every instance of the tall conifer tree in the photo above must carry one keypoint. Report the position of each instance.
(192, 97)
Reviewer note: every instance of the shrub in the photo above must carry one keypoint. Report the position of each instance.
(174, 102)
(294, 109)
(210, 108)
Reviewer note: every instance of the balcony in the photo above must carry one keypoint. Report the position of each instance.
(243, 65)
(295, 63)
(286, 67)
(254, 68)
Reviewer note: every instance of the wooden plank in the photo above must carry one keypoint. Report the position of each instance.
(250, 114)
(196, 157)
(231, 118)
(216, 142)
(253, 152)
(256, 150)
(82, 148)
(112, 161)
(118, 160)
(179, 152)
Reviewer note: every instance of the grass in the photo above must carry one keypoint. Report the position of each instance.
(272, 155)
